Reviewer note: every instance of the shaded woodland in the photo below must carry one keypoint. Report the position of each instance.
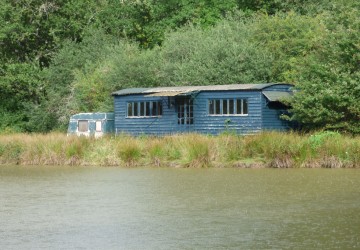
(58, 58)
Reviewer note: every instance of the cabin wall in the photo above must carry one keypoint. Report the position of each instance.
(260, 116)
(271, 112)
(107, 126)
(165, 124)
(244, 124)
(203, 122)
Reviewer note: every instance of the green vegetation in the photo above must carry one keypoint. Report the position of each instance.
(58, 58)
(270, 149)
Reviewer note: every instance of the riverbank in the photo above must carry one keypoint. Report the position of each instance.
(269, 149)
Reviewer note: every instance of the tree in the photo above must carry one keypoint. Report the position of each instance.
(224, 54)
(329, 78)
(73, 58)
(288, 37)
(21, 87)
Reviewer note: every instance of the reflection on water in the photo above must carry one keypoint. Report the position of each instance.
(113, 208)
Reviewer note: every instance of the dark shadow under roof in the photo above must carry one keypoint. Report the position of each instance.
(277, 96)
(184, 90)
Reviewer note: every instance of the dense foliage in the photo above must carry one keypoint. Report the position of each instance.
(58, 58)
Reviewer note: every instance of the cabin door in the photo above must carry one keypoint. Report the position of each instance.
(185, 114)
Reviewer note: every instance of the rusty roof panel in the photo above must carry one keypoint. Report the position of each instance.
(168, 93)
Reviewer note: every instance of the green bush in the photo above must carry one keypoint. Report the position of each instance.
(129, 151)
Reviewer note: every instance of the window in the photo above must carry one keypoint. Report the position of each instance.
(186, 112)
(135, 109)
(211, 107)
(147, 109)
(231, 107)
(144, 109)
(217, 107)
(130, 110)
(225, 107)
(98, 126)
(228, 107)
(83, 126)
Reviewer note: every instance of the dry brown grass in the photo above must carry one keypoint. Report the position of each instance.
(269, 149)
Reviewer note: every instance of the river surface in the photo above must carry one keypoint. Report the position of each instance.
(115, 208)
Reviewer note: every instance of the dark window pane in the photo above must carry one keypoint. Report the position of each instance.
(217, 107)
(231, 106)
(154, 109)
(211, 107)
(238, 106)
(186, 112)
(136, 110)
(245, 107)
(147, 109)
(181, 114)
(225, 107)
(142, 108)
(130, 106)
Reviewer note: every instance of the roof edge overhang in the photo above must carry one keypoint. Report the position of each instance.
(277, 96)
(188, 90)
(172, 93)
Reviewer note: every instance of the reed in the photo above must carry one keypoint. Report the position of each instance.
(268, 149)
(129, 150)
(156, 153)
(196, 150)
(102, 152)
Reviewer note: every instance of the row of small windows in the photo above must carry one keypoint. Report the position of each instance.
(228, 107)
(216, 107)
(144, 109)
(83, 126)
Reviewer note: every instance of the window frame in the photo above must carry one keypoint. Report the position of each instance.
(217, 104)
(96, 126)
(185, 113)
(87, 125)
(144, 109)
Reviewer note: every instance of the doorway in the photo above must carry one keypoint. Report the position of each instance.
(185, 111)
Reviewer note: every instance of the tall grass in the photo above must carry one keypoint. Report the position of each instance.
(268, 149)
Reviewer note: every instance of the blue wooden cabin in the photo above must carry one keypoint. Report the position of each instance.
(91, 124)
(242, 108)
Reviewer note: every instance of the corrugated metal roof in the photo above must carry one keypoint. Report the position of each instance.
(168, 93)
(130, 91)
(183, 90)
(274, 96)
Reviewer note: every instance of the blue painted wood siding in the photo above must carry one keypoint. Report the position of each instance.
(271, 116)
(165, 124)
(243, 124)
(203, 122)
(259, 116)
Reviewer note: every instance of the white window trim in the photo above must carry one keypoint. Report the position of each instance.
(96, 126)
(235, 107)
(88, 126)
(139, 105)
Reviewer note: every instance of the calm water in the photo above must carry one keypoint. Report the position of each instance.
(113, 208)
